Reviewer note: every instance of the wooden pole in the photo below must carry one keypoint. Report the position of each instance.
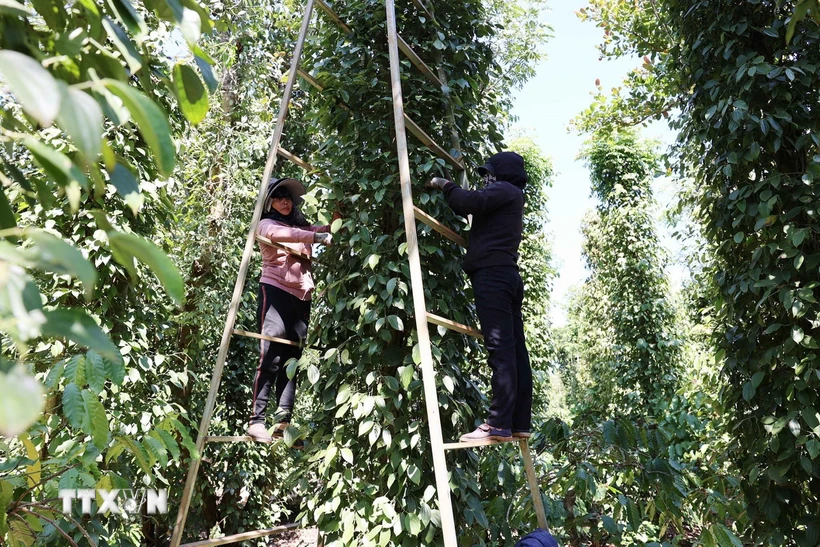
(535, 491)
(416, 282)
(188, 490)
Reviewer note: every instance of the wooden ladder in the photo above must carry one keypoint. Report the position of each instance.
(422, 316)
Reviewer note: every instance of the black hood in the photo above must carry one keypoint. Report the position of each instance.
(509, 166)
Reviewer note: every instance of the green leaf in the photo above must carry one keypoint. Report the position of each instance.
(52, 254)
(347, 455)
(95, 371)
(191, 94)
(169, 442)
(190, 26)
(80, 328)
(156, 449)
(21, 401)
(73, 406)
(152, 123)
(32, 84)
(82, 118)
(416, 354)
(124, 44)
(313, 374)
(11, 7)
(56, 164)
(115, 370)
(634, 515)
(395, 322)
(336, 225)
(725, 537)
(406, 374)
(812, 419)
(610, 525)
(132, 245)
(96, 423)
(137, 451)
(128, 16)
(7, 217)
(207, 73)
(748, 391)
(414, 473)
(797, 334)
(127, 187)
(343, 394)
(169, 10)
(54, 374)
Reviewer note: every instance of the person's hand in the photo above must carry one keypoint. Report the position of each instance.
(323, 239)
(437, 183)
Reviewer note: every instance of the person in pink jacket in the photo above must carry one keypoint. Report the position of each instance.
(285, 290)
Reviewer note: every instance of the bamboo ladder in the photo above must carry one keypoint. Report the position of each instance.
(422, 316)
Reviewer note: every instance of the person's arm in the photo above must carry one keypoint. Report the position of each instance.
(320, 229)
(284, 234)
(476, 202)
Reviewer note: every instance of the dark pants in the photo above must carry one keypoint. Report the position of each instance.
(499, 293)
(282, 315)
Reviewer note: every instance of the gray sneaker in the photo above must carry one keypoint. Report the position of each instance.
(259, 433)
(486, 432)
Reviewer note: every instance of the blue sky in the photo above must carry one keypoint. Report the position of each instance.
(562, 88)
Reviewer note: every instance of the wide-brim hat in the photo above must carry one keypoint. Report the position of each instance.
(295, 189)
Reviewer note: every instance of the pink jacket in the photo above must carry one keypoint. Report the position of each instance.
(282, 269)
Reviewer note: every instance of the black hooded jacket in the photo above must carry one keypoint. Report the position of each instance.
(498, 214)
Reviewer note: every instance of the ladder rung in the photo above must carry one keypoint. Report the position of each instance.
(315, 83)
(228, 439)
(332, 14)
(295, 159)
(294, 252)
(452, 325)
(421, 216)
(310, 79)
(429, 143)
(236, 538)
(474, 444)
(416, 60)
(268, 338)
(420, 5)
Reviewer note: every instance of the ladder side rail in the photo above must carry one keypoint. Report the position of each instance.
(420, 5)
(187, 492)
(416, 282)
(535, 491)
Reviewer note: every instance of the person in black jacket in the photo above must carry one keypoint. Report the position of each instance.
(492, 265)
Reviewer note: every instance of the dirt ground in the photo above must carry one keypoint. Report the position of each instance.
(295, 538)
